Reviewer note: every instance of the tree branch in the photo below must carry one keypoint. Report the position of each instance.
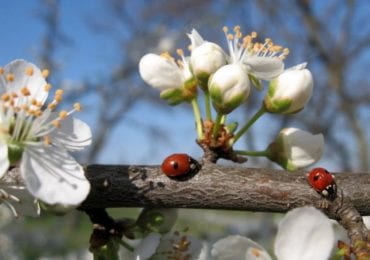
(215, 187)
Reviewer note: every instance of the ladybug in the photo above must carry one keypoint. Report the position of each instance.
(323, 182)
(178, 164)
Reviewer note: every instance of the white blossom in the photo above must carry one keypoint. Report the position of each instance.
(173, 79)
(304, 233)
(206, 57)
(294, 148)
(38, 140)
(262, 60)
(290, 91)
(229, 87)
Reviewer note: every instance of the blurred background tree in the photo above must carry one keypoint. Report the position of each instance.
(93, 49)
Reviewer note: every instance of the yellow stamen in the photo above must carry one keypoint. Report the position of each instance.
(5, 97)
(63, 114)
(47, 87)
(25, 91)
(58, 98)
(56, 123)
(59, 92)
(254, 35)
(1, 71)
(77, 106)
(14, 95)
(45, 73)
(10, 77)
(52, 106)
(180, 52)
(225, 29)
(166, 55)
(34, 102)
(29, 71)
(47, 140)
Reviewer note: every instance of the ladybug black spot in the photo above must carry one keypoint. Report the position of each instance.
(316, 177)
(175, 165)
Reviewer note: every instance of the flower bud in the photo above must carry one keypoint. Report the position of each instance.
(229, 87)
(174, 80)
(289, 92)
(206, 58)
(294, 148)
(157, 220)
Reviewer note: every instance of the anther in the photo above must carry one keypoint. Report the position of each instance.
(1, 71)
(5, 97)
(47, 87)
(166, 55)
(10, 77)
(63, 114)
(25, 91)
(56, 123)
(45, 73)
(77, 106)
(47, 140)
(58, 98)
(29, 71)
(52, 106)
(180, 52)
(59, 92)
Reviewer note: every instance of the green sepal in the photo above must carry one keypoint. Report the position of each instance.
(220, 105)
(276, 106)
(257, 83)
(202, 79)
(15, 151)
(172, 96)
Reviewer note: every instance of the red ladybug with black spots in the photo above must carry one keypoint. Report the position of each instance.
(323, 182)
(178, 164)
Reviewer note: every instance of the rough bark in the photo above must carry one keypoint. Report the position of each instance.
(215, 187)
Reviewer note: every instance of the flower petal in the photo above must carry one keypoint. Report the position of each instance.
(53, 176)
(4, 160)
(238, 247)
(304, 233)
(195, 38)
(35, 82)
(147, 246)
(73, 134)
(303, 148)
(265, 68)
(159, 72)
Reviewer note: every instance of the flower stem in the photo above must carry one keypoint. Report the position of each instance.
(251, 121)
(125, 245)
(198, 120)
(208, 105)
(217, 124)
(264, 153)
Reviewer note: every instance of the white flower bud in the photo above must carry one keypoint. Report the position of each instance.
(174, 80)
(229, 87)
(289, 92)
(160, 72)
(294, 148)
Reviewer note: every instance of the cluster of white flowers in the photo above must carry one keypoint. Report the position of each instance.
(37, 140)
(304, 233)
(226, 78)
